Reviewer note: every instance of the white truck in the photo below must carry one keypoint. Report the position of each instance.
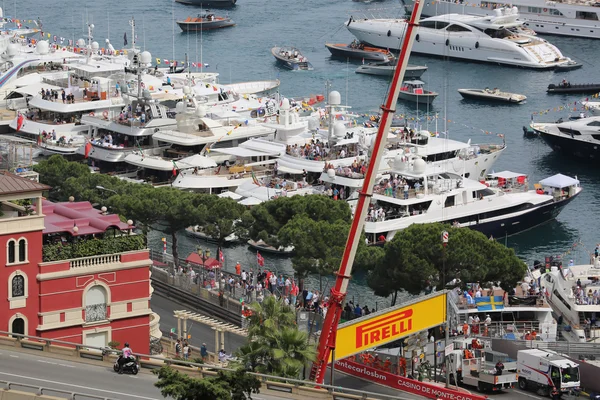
(542, 370)
(479, 369)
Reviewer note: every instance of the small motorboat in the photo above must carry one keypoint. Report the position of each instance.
(197, 232)
(204, 22)
(360, 51)
(568, 87)
(291, 58)
(260, 245)
(528, 132)
(413, 91)
(492, 95)
(387, 69)
(568, 66)
(209, 3)
(592, 106)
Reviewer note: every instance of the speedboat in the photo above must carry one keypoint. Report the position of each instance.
(497, 39)
(568, 66)
(568, 87)
(577, 138)
(492, 95)
(204, 22)
(209, 3)
(360, 51)
(291, 58)
(260, 245)
(387, 69)
(565, 18)
(572, 291)
(413, 91)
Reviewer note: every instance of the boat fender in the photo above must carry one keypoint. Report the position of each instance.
(417, 37)
(92, 114)
(545, 10)
(447, 42)
(105, 114)
(389, 33)
(476, 45)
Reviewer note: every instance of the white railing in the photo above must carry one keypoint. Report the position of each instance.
(95, 260)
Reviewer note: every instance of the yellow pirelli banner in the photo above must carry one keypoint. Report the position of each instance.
(392, 324)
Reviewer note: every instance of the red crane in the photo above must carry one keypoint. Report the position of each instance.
(338, 292)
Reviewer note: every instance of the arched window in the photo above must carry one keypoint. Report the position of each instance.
(22, 250)
(95, 304)
(11, 256)
(18, 286)
(18, 326)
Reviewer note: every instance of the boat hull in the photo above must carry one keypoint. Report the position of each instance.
(571, 147)
(291, 64)
(475, 95)
(593, 88)
(344, 51)
(209, 3)
(204, 26)
(412, 71)
(425, 98)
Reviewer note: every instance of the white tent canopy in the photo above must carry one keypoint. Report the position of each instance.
(231, 195)
(507, 175)
(198, 161)
(559, 181)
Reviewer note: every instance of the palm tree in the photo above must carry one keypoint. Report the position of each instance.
(269, 316)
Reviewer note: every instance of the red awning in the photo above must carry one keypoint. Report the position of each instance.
(211, 263)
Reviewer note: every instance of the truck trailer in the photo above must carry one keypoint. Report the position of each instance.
(543, 370)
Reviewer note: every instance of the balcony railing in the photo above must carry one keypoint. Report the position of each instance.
(95, 312)
(95, 260)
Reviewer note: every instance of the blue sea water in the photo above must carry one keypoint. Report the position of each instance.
(242, 53)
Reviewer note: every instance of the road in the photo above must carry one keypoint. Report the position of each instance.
(100, 381)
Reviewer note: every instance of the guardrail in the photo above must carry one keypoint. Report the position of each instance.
(274, 384)
(571, 349)
(39, 391)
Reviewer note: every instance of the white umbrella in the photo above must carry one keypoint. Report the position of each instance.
(250, 201)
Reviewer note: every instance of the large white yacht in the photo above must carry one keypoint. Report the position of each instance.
(577, 18)
(573, 291)
(578, 138)
(498, 209)
(497, 39)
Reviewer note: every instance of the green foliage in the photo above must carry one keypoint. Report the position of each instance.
(93, 247)
(275, 345)
(56, 170)
(414, 261)
(236, 385)
(113, 344)
(221, 217)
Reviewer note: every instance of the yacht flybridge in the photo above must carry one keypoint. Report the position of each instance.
(499, 39)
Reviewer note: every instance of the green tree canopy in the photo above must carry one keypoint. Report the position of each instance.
(414, 261)
(237, 385)
(225, 216)
(56, 170)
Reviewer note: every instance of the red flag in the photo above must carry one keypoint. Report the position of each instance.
(260, 259)
(20, 121)
(221, 257)
(88, 149)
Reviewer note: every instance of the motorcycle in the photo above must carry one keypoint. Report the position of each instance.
(130, 366)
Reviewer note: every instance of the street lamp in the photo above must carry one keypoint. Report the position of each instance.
(204, 255)
(105, 189)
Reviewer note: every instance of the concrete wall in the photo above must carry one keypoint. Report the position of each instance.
(18, 395)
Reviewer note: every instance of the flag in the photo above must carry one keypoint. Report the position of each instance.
(158, 61)
(174, 168)
(88, 149)
(260, 259)
(489, 303)
(125, 39)
(20, 121)
(166, 61)
(254, 180)
(193, 64)
(40, 138)
(221, 257)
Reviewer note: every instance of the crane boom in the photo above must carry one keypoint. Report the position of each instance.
(338, 292)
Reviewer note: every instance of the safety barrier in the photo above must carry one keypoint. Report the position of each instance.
(281, 387)
(10, 393)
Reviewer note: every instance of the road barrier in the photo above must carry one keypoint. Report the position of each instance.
(274, 385)
(10, 393)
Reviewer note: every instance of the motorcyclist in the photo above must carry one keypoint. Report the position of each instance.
(125, 357)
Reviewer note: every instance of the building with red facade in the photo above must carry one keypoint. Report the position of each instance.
(101, 297)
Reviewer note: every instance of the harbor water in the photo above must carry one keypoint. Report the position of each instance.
(242, 53)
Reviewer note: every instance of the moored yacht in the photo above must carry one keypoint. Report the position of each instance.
(430, 194)
(497, 39)
(578, 138)
(573, 292)
(577, 18)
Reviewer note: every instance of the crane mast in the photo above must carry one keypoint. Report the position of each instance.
(338, 292)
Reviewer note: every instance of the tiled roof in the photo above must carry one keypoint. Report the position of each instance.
(12, 184)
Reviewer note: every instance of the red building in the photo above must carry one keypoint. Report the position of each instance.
(90, 300)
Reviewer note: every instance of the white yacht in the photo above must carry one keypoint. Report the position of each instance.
(577, 18)
(439, 196)
(592, 106)
(578, 138)
(496, 39)
(573, 291)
